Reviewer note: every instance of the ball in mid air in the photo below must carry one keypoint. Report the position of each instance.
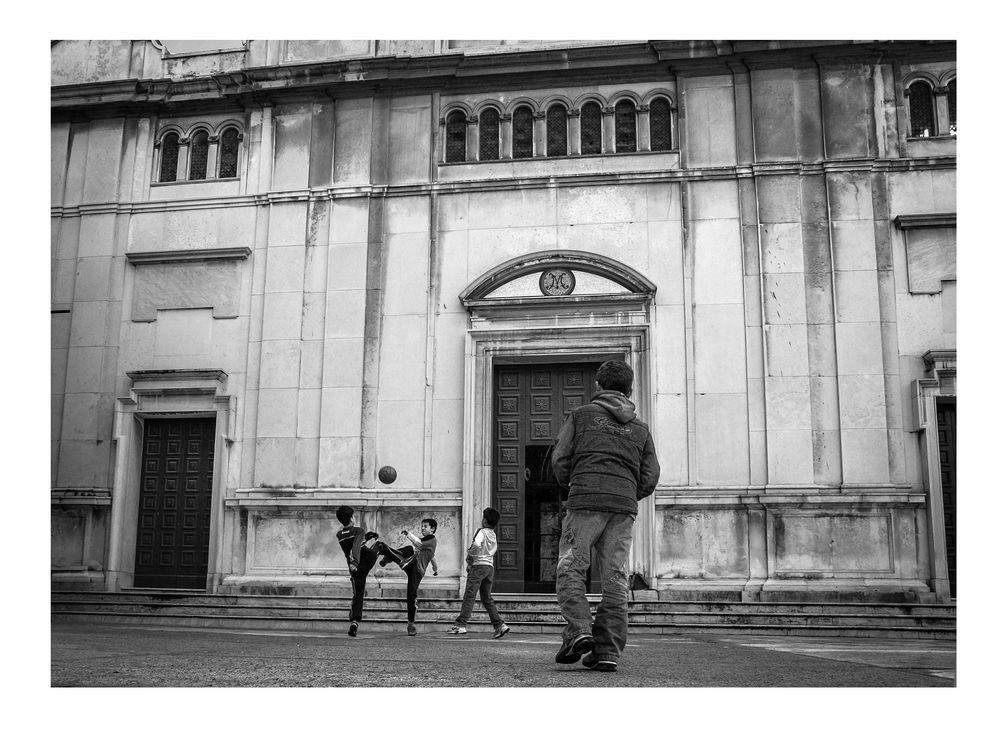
(387, 475)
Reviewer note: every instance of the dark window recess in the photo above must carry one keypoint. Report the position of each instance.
(229, 145)
(555, 131)
(625, 126)
(455, 137)
(921, 110)
(523, 124)
(952, 106)
(168, 158)
(489, 135)
(199, 156)
(590, 129)
(659, 125)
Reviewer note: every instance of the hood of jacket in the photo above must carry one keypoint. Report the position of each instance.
(617, 404)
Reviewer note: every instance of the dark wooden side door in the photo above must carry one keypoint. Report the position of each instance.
(947, 432)
(175, 503)
(531, 404)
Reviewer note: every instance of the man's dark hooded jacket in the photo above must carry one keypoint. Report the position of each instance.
(606, 456)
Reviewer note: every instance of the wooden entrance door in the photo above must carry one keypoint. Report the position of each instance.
(175, 504)
(531, 403)
(947, 432)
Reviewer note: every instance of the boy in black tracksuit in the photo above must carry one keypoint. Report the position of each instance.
(360, 551)
(414, 561)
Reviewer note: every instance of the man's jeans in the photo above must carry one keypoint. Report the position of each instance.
(610, 534)
(481, 579)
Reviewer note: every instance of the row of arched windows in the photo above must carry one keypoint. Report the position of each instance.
(933, 109)
(199, 155)
(558, 131)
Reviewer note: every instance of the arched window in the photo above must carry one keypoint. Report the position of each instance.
(455, 137)
(952, 106)
(523, 125)
(199, 155)
(229, 150)
(921, 110)
(590, 129)
(659, 124)
(625, 126)
(555, 131)
(489, 134)
(168, 157)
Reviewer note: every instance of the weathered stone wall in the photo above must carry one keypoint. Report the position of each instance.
(789, 320)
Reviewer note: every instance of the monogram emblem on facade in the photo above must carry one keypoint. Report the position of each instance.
(554, 282)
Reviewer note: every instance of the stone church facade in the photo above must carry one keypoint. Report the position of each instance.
(279, 267)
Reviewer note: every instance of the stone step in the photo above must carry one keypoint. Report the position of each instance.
(430, 612)
(507, 603)
(482, 629)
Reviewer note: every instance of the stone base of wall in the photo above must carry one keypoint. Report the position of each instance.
(78, 581)
(779, 590)
(334, 586)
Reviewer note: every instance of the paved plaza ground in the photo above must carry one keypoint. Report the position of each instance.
(106, 655)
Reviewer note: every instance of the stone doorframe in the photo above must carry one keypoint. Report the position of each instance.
(942, 371)
(165, 394)
(596, 326)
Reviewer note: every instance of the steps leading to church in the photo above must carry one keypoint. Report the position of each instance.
(524, 613)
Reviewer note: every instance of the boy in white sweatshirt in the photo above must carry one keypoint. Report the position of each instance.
(479, 564)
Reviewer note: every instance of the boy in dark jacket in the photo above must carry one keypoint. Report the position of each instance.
(414, 561)
(360, 552)
(605, 456)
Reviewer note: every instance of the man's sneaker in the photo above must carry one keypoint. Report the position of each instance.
(411, 629)
(353, 630)
(571, 650)
(458, 630)
(604, 666)
(501, 631)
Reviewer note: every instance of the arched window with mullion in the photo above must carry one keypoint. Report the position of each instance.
(659, 125)
(953, 106)
(169, 147)
(556, 132)
(455, 137)
(625, 134)
(590, 129)
(921, 103)
(489, 134)
(199, 156)
(523, 127)
(229, 151)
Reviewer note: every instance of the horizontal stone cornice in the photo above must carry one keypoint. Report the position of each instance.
(871, 165)
(263, 85)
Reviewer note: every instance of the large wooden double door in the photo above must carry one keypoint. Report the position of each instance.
(175, 503)
(531, 402)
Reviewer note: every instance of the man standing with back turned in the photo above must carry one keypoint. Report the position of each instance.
(605, 455)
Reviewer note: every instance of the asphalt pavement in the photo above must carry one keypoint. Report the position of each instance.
(103, 655)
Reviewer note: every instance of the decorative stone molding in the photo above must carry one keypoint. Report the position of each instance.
(166, 393)
(942, 370)
(185, 255)
(926, 220)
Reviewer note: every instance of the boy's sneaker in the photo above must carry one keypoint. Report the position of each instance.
(458, 630)
(353, 630)
(411, 629)
(501, 631)
(571, 650)
(384, 561)
(370, 534)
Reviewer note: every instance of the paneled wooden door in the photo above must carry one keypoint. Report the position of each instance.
(947, 433)
(175, 504)
(531, 403)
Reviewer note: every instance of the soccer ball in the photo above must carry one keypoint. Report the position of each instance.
(387, 475)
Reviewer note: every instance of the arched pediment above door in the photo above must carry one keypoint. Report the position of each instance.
(558, 277)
